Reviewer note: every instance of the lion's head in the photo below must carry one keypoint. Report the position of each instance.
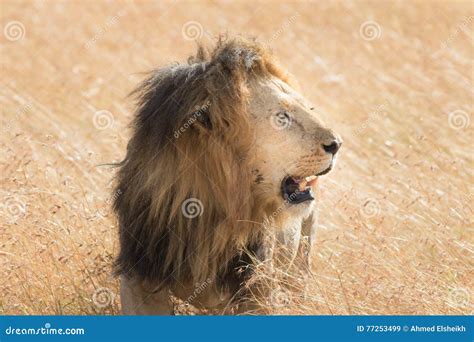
(292, 147)
(217, 145)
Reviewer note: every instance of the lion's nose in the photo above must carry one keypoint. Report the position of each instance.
(332, 147)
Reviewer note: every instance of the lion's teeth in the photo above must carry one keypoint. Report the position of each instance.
(310, 178)
(302, 185)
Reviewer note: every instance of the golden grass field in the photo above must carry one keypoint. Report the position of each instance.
(394, 78)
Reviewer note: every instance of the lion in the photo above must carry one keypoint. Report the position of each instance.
(224, 152)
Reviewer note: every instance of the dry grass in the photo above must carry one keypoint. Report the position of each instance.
(396, 219)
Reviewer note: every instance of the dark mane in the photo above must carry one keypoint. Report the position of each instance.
(191, 131)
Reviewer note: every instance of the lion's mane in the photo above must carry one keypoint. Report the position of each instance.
(192, 139)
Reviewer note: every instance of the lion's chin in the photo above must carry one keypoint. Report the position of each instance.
(298, 190)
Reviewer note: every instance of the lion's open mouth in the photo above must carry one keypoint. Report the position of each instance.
(298, 190)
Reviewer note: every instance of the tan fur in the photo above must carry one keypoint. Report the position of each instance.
(229, 158)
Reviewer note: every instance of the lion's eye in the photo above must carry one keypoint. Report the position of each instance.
(283, 116)
(281, 120)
